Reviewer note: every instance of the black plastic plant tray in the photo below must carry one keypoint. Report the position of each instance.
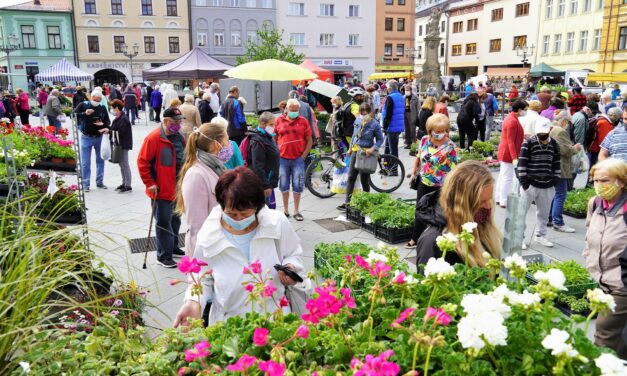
(393, 235)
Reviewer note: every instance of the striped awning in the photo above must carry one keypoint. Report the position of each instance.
(63, 71)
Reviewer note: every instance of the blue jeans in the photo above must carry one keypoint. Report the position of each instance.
(167, 228)
(87, 143)
(292, 170)
(131, 114)
(561, 189)
(391, 143)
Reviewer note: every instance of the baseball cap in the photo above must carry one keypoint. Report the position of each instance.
(543, 125)
(173, 113)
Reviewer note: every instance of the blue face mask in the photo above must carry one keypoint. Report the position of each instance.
(292, 114)
(238, 225)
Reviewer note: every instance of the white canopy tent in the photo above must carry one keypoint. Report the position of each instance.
(63, 71)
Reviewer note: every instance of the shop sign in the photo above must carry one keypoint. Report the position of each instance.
(31, 63)
(18, 66)
(333, 62)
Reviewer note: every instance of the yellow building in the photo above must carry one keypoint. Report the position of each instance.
(613, 51)
(157, 29)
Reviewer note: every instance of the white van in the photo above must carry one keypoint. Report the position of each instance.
(580, 78)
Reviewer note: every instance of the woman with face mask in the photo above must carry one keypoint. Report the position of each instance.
(263, 156)
(435, 158)
(239, 232)
(466, 196)
(606, 238)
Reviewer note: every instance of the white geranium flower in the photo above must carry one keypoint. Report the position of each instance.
(410, 280)
(25, 366)
(556, 342)
(438, 269)
(501, 293)
(554, 277)
(610, 365)
(526, 299)
(515, 261)
(472, 330)
(469, 226)
(600, 300)
(381, 245)
(374, 257)
(478, 304)
(446, 242)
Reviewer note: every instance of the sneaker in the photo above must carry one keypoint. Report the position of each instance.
(341, 207)
(549, 224)
(102, 186)
(563, 228)
(167, 263)
(119, 188)
(543, 240)
(178, 253)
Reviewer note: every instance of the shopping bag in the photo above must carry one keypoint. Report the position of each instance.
(584, 163)
(105, 149)
(366, 163)
(340, 179)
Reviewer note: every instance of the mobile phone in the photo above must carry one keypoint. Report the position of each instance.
(289, 272)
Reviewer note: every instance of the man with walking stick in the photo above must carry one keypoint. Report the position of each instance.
(159, 161)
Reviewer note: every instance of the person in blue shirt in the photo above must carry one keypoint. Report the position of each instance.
(616, 92)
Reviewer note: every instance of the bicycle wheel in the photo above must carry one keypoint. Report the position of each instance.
(389, 175)
(319, 177)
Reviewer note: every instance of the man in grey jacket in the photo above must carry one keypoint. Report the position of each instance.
(53, 109)
(580, 123)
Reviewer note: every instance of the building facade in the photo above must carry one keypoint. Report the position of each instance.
(424, 8)
(395, 35)
(485, 36)
(45, 35)
(223, 28)
(613, 44)
(159, 28)
(569, 35)
(335, 35)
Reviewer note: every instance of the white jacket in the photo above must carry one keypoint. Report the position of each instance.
(529, 122)
(169, 94)
(228, 262)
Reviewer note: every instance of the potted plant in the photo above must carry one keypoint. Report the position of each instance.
(69, 155)
(576, 204)
(57, 153)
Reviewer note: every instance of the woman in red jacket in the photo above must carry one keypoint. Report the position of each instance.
(512, 137)
(23, 108)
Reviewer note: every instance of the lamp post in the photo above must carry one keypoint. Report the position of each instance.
(7, 47)
(525, 52)
(130, 55)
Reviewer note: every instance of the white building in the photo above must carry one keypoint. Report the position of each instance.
(484, 36)
(424, 8)
(336, 35)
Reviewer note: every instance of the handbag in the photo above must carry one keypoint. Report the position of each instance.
(299, 294)
(413, 183)
(116, 151)
(365, 163)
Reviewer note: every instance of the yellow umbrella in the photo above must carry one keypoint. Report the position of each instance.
(270, 70)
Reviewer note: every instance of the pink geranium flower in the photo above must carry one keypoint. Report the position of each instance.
(269, 289)
(302, 331)
(378, 365)
(399, 278)
(347, 299)
(271, 368)
(260, 336)
(187, 265)
(284, 302)
(200, 350)
(441, 317)
(409, 312)
(242, 364)
(249, 287)
(361, 262)
(325, 304)
(380, 269)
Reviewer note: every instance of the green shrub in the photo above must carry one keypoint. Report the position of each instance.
(481, 147)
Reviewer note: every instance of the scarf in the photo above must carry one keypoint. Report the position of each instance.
(211, 161)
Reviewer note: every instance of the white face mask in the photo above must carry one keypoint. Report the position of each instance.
(438, 136)
(270, 129)
(522, 113)
(94, 103)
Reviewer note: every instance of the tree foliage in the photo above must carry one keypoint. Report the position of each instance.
(269, 45)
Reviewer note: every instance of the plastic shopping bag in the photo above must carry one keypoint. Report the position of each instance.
(584, 163)
(105, 149)
(340, 179)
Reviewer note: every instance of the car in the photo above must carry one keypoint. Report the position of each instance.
(68, 91)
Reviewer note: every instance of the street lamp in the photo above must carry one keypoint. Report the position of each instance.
(130, 55)
(7, 47)
(525, 52)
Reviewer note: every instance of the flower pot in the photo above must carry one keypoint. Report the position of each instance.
(70, 161)
(56, 160)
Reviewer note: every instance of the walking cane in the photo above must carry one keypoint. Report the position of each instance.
(152, 216)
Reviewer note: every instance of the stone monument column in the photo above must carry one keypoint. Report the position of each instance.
(431, 67)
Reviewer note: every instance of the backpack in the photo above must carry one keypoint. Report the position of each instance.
(348, 119)
(591, 132)
(244, 148)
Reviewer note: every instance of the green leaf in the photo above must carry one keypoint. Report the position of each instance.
(231, 347)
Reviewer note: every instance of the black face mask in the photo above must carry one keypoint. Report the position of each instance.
(543, 136)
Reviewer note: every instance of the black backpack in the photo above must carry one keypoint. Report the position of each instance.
(591, 132)
(348, 120)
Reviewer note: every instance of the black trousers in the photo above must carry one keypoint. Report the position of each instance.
(481, 130)
(24, 114)
(466, 128)
(419, 226)
(352, 178)
(158, 114)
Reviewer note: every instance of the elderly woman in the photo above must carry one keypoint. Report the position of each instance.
(567, 150)
(435, 158)
(23, 107)
(52, 109)
(204, 107)
(239, 232)
(466, 196)
(122, 136)
(191, 116)
(606, 238)
(263, 156)
(426, 111)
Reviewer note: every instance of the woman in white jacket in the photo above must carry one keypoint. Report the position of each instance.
(238, 232)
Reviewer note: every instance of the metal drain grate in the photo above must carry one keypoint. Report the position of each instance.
(141, 245)
(330, 224)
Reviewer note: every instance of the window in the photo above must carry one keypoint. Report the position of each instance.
(251, 37)
(171, 11)
(443, 27)
(495, 45)
(456, 49)
(149, 44)
(116, 7)
(327, 10)
(28, 36)
(545, 44)
(90, 6)
(389, 2)
(570, 41)
(218, 39)
(472, 24)
(549, 8)
(458, 27)
(218, 3)
(146, 7)
(596, 40)
(297, 39)
(587, 5)
(419, 30)
(173, 42)
(327, 39)
(235, 4)
(400, 49)
(400, 24)
(92, 44)
(622, 41)
(387, 49)
(389, 24)
(497, 14)
(471, 48)
(419, 52)
(54, 37)
(600, 5)
(201, 39)
(296, 9)
(118, 41)
(251, 3)
(266, 4)
(557, 44)
(401, 2)
(353, 10)
(522, 9)
(561, 5)
(573, 6)
(520, 41)
(353, 39)
(441, 49)
(583, 41)
(236, 38)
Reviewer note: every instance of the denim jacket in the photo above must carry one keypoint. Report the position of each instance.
(372, 129)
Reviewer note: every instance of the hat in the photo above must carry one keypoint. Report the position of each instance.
(543, 125)
(173, 113)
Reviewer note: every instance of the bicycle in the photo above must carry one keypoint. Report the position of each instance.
(387, 178)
